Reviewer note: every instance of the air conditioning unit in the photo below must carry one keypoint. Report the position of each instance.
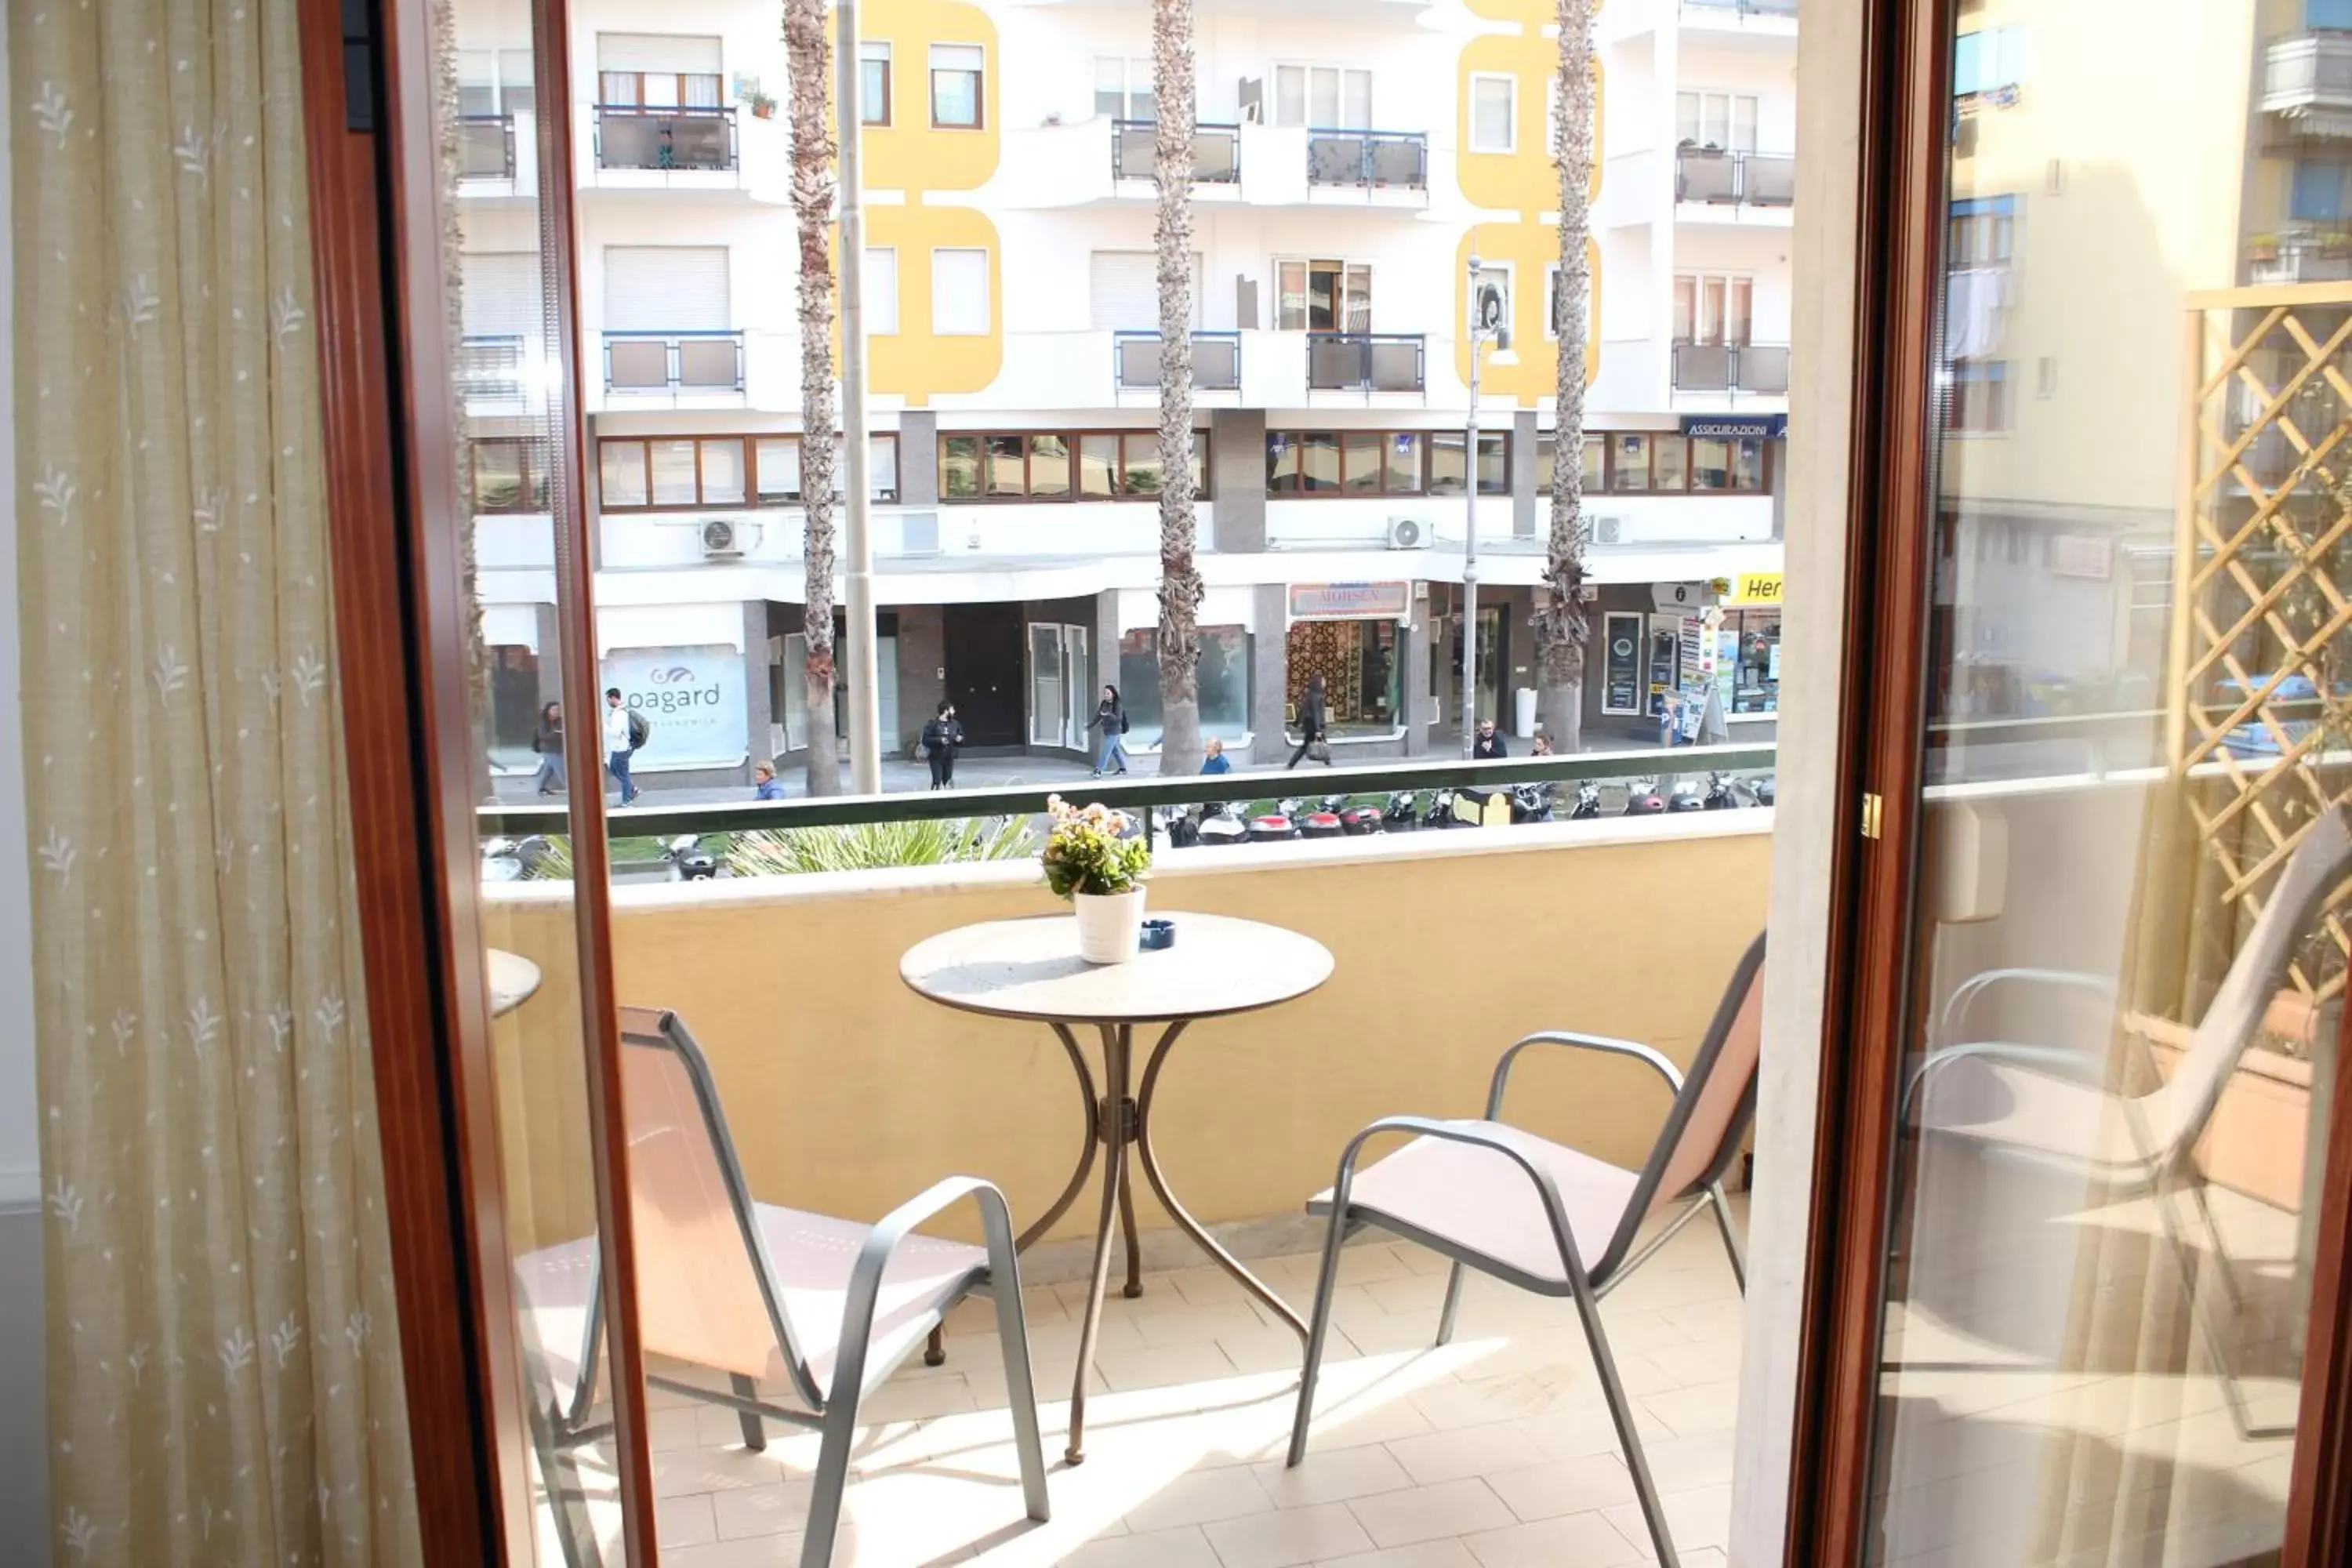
(1408, 533)
(722, 539)
(1607, 530)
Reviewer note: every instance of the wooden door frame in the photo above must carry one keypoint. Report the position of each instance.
(404, 608)
(1874, 881)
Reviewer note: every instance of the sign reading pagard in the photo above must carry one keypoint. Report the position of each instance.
(1350, 601)
(692, 696)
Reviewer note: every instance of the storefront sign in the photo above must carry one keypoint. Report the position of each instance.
(1350, 601)
(1681, 598)
(1758, 588)
(692, 696)
(1745, 428)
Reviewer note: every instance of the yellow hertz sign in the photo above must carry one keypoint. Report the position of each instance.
(1758, 588)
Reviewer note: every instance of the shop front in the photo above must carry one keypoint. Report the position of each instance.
(1352, 636)
(1663, 651)
(684, 668)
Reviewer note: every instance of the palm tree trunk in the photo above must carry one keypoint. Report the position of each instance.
(808, 60)
(1179, 577)
(1561, 627)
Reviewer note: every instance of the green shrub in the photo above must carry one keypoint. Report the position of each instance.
(871, 846)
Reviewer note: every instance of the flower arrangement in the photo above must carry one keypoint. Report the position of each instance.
(1085, 852)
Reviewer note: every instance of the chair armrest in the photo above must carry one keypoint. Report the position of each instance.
(1574, 1041)
(2055, 1060)
(1965, 995)
(882, 1243)
(1475, 1134)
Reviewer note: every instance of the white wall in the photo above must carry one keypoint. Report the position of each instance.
(24, 1402)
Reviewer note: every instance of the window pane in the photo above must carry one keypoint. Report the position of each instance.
(960, 467)
(1049, 467)
(1359, 318)
(1098, 467)
(1447, 471)
(722, 473)
(1281, 463)
(622, 470)
(1494, 463)
(1632, 467)
(778, 461)
(874, 82)
(1007, 467)
(1748, 464)
(1289, 95)
(1110, 87)
(1403, 468)
(1356, 101)
(497, 476)
(1142, 463)
(1686, 126)
(1323, 98)
(1671, 462)
(1710, 465)
(1596, 462)
(1743, 124)
(881, 282)
(673, 473)
(1360, 458)
(1491, 103)
(882, 463)
(1739, 309)
(959, 293)
(1685, 308)
(1201, 463)
(1547, 451)
(1755, 669)
(1318, 463)
(1290, 297)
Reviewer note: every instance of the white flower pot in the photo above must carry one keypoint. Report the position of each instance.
(1109, 925)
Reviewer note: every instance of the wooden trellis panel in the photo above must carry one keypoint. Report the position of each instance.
(2262, 636)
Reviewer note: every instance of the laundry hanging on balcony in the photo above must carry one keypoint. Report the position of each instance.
(1973, 302)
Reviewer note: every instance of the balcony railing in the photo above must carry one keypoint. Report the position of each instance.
(490, 368)
(1216, 152)
(1394, 160)
(1367, 362)
(2312, 254)
(1735, 179)
(634, 136)
(1216, 361)
(1781, 10)
(2308, 77)
(1759, 368)
(485, 149)
(674, 362)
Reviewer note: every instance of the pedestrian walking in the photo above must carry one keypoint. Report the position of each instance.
(1216, 762)
(547, 742)
(765, 784)
(942, 735)
(1111, 719)
(625, 732)
(1314, 733)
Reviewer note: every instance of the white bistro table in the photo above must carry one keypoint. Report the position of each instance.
(1031, 969)
(514, 980)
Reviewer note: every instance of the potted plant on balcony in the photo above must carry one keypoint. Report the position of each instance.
(1090, 861)
(763, 105)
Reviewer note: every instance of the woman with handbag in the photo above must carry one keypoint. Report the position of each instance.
(1111, 719)
(1314, 739)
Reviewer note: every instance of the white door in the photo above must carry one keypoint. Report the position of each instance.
(1077, 687)
(1046, 687)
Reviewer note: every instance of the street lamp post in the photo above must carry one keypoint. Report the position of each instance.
(864, 671)
(1484, 314)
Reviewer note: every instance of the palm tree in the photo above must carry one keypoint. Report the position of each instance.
(808, 66)
(1562, 630)
(1179, 577)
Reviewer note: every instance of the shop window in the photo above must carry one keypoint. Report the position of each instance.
(683, 472)
(509, 475)
(1222, 681)
(1446, 466)
(1345, 462)
(1058, 465)
(1596, 462)
(1670, 462)
(515, 703)
(1620, 665)
(1749, 660)
(1629, 462)
(1362, 664)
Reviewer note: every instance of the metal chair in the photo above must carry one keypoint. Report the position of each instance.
(757, 1291)
(2056, 1107)
(1529, 1211)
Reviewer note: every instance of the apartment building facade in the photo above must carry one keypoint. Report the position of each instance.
(1349, 159)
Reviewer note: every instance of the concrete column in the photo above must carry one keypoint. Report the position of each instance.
(1524, 477)
(1270, 672)
(758, 713)
(1106, 650)
(919, 457)
(1420, 704)
(1237, 480)
(551, 656)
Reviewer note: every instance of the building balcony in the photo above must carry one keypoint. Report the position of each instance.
(679, 370)
(1367, 160)
(1217, 362)
(635, 137)
(1367, 362)
(486, 147)
(2315, 253)
(2308, 82)
(714, 150)
(1216, 152)
(490, 375)
(1758, 369)
(1734, 187)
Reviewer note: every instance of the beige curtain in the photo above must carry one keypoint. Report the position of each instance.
(223, 1368)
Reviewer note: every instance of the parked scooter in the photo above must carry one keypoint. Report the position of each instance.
(1720, 794)
(1223, 825)
(1179, 826)
(1275, 826)
(1355, 821)
(513, 859)
(1687, 797)
(1588, 801)
(1324, 821)
(1532, 802)
(1403, 814)
(1761, 791)
(688, 861)
(1645, 799)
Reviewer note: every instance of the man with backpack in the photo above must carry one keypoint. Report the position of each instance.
(626, 734)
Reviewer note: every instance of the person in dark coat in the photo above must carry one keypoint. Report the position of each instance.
(1312, 726)
(942, 735)
(1489, 745)
(1110, 718)
(546, 740)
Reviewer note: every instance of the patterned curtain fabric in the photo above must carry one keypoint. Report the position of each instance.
(223, 1365)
